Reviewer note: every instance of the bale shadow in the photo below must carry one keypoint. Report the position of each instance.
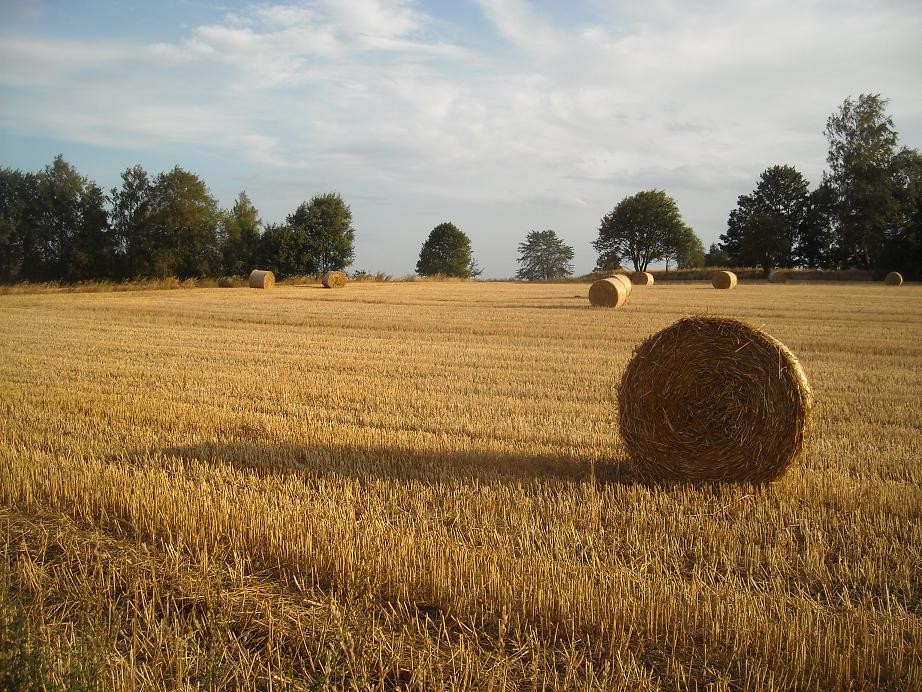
(399, 465)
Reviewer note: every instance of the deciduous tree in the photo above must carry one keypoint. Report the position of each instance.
(765, 225)
(447, 251)
(543, 255)
(325, 223)
(641, 228)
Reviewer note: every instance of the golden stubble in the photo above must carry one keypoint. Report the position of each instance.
(422, 485)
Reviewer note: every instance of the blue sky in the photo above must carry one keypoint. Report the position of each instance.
(502, 116)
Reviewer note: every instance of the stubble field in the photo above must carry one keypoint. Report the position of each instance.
(421, 485)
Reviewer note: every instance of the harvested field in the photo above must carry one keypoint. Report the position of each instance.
(192, 493)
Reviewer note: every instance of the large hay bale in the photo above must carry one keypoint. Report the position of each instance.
(713, 399)
(608, 293)
(260, 278)
(894, 279)
(642, 278)
(625, 281)
(723, 279)
(777, 277)
(334, 279)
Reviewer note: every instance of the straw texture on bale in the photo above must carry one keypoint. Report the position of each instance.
(894, 279)
(625, 281)
(777, 277)
(608, 293)
(642, 278)
(260, 278)
(713, 399)
(334, 279)
(723, 279)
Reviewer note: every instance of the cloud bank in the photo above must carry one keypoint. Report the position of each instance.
(505, 117)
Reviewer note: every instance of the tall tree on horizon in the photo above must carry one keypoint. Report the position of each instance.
(766, 224)
(543, 256)
(239, 236)
(643, 228)
(862, 147)
(325, 223)
(447, 251)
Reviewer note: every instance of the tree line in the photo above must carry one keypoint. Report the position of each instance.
(56, 225)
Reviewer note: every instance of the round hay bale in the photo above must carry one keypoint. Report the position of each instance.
(894, 279)
(713, 399)
(723, 280)
(260, 278)
(608, 293)
(642, 278)
(334, 279)
(777, 277)
(625, 281)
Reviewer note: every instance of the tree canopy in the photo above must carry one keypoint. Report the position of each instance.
(447, 251)
(543, 256)
(644, 228)
(325, 226)
(868, 180)
(765, 226)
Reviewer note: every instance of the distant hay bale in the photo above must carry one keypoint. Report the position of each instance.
(608, 293)
(225, 282)
(713, 399)
(334, 279)
(723, 279)
(777, 277)
(642, 278)
(894, 279)
(260, 278)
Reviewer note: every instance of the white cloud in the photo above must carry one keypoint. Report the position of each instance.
(572, 114)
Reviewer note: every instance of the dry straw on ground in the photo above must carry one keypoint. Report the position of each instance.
(334, 279)
(642, 278)
(608, 293)
(260, 278)
(894, 279)
(723, 279)
(713, 399)
(777, 277)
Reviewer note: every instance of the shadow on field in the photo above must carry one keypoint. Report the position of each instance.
(401, 465)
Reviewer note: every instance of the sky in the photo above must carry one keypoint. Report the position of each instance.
(502, 116)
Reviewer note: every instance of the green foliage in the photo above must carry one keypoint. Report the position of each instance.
(716, 256)
(544, 256)
(765, 225)
(814, 246)
(325, 226)
(283, 251)
(862, 148)
(239, 236)
(643, 228)
(688, 250)
(183, 227)
(129, 218)
(447, 251)
(608, 261)
(53, 225)
(12, 183)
